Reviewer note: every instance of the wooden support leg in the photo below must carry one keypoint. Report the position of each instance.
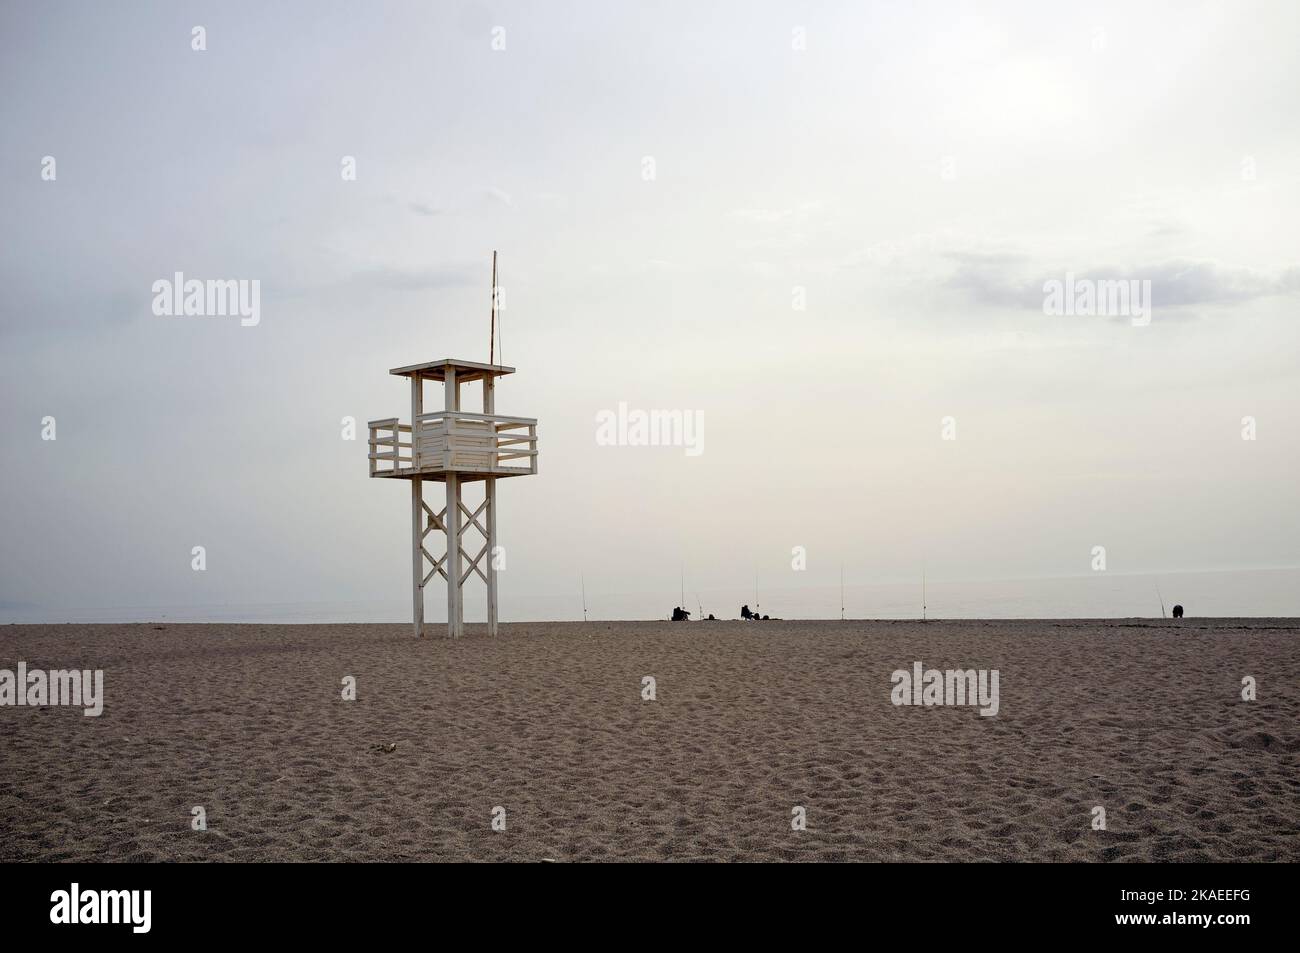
(490, 488)
(417, 559)
(455, 617)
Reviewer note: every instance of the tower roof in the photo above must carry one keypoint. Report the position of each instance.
(466, 371)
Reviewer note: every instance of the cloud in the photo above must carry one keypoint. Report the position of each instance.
(1002, 281)
(1186, 282)
(776, 229)
(396, 278)
(761, 216)
(988, 284)
(772, 216)
(1168, 229)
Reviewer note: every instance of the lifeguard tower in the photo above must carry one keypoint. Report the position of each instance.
(454, 447)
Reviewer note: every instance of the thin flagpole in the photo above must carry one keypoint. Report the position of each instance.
(492, 325)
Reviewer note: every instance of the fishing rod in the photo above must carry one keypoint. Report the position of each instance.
(923, 591)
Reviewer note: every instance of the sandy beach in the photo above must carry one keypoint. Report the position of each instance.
(749, 721)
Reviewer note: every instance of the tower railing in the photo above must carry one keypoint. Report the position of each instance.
(454, 440)
(387, 433)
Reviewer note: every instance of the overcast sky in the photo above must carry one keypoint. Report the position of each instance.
(919, 170)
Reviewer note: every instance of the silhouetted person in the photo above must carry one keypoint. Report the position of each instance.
(680, 614)
(745, 613)
(1178, 612)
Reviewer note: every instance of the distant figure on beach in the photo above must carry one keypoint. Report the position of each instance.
(745, 613)
(1178, 612)
(680, 614)
(710, 618)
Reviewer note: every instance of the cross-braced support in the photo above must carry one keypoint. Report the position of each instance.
(460, 561)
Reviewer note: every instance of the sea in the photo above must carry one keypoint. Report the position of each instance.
(1232, 593)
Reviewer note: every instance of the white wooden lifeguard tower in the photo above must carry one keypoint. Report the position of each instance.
(454, 447)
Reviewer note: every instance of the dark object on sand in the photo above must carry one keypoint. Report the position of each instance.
(385, 749)
(710, 618)
(1178, 612)
(680, 614)
(746, 614)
